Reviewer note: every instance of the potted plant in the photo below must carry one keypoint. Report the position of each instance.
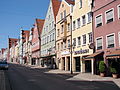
(102, 68)
(114, 72)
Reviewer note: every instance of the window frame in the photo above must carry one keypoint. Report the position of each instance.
(107, 40)
(101, 20)
(118, 6)
(106, 15)
(102, 42)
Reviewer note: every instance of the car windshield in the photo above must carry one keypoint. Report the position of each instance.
(3, 62)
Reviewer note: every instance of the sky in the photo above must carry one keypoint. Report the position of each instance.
(15, 14)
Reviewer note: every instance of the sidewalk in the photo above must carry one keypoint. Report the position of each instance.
(86, 76)
(81, 76)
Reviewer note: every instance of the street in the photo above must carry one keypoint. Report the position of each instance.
(25, 78)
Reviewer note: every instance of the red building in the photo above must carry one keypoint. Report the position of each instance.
(106, 29)
(36, 41)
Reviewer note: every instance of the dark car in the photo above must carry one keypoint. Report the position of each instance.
(3, 65)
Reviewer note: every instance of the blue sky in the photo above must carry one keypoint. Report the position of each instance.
(15, 14)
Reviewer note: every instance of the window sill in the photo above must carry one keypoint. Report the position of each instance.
(84, 45)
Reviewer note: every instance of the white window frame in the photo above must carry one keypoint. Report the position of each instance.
(107, 40)
(102, 42)
(95, 19)
(118, 11)
(113, 15)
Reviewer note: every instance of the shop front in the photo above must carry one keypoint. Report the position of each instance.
(113, 59)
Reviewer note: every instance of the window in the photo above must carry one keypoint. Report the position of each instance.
(69, 43)
(74, 25)
(62, 28)
(110, 41)
(64, 45)
(89, 15)
(61, 45)
(83, 20)
(61, 15)
(84, 39)
(90, 37)
(78, 23)
(53, 36)
(47, 28)
(50, 26)
(68, 26)
(58, 46)
(58, 32)
(109, 16)
(119, 38)
(74, 42)
(99, 21)
(47, 39)
(79, 41)
(50, 38)
(119, 12)
(64, 13)
(99, 43)
(80, 3)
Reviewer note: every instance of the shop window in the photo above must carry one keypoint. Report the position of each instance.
(99, 21)
(110, 41)
(99, 43)
(109, 16)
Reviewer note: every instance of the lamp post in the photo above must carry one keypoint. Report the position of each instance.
(71, 43)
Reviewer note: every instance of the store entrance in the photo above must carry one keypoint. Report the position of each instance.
(68, 63)
(77, 60)
(88, 66)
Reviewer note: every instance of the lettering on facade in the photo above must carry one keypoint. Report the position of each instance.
(81, 51)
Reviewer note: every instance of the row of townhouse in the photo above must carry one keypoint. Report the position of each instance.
(75, 36)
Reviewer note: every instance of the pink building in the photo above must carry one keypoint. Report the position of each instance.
(36, 41)
(106, 29)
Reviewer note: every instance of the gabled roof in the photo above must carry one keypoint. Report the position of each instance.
(12, 41)
(40, 23)
(56, 6)
(70, 2)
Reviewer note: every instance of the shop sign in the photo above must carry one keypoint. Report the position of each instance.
(65, 53)
(81, 51)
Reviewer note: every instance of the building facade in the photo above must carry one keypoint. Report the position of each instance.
(82, 36)
(63, 35)
(36, 41)
(48, 35)
(106, 26)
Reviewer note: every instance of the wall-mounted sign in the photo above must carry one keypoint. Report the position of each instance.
(81, 51)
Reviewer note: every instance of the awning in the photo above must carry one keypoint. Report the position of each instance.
(92, 55)
(114, 54)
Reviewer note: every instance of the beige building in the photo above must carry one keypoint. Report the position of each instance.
(82, 36)
(63, 35)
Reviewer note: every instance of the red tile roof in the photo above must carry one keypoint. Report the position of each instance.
(56, 6)
(40, 23)
(70, 2)
(12, 41)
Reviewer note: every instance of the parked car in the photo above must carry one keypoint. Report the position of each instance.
(3, 65)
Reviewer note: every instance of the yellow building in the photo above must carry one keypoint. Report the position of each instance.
(82, 36)
(63, 35)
